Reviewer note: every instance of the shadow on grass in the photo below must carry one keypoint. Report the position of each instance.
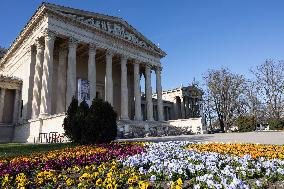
(17, 149)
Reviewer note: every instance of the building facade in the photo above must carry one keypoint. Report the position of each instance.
(63, 51)
(187, 102)
(185, 110)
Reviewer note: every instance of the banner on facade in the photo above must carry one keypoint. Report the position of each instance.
(84, 91)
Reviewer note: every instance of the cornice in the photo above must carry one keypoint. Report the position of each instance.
(64, 17)
(60, 9)
(7, 82)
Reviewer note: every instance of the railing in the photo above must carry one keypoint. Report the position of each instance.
(51, 137)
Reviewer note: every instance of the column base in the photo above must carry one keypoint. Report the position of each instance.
(138, 119)
(43, 115)
(124, 118)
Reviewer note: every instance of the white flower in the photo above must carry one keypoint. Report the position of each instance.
(153, 178)
(258, 183)
(197, 186)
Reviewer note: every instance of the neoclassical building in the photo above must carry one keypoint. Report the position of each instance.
(186, 102)
(64, 52)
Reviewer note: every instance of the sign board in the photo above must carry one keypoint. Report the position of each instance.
(84, 91)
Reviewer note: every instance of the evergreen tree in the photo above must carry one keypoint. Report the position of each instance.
(81, 115)
(100, 125)
(69, 122)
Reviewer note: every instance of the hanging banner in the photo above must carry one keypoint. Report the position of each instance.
(84, 91)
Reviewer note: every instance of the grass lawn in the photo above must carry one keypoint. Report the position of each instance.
(17, 149)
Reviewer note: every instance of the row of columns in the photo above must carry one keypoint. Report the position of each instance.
(43, 78)
(187, 107)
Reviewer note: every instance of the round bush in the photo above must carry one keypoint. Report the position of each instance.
(100, 124)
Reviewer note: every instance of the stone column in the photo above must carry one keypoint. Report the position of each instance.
(46, 87)
(61, 81)
(124, 89)
(188, 107)
(2, 103)
(137, 92)
(108, 78)
(182, 107)
(167, 113)
(92, 72)
(185, 107)
(16, 106)
(149, 93)
(175, 109)
(71, 72)
(159, 94)
(37, 79)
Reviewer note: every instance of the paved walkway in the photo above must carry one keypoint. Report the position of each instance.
(250, 137)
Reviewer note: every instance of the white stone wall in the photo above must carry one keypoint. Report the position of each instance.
(20, 65)
(29, 131)
(194, 124)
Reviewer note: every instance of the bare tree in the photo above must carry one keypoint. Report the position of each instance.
(227, 92)
(208, 109)
(270, 81)
(252, 103)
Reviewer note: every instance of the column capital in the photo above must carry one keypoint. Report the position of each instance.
(109, 52)
(92, 48)
(73, 42)
(49, 35)
(138, 62)
(124, 57)
(39, 44)
(149, 66)
(158, 68)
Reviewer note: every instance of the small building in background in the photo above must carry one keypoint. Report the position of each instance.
(183, 108)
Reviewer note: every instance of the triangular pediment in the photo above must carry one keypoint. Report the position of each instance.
(112, 25)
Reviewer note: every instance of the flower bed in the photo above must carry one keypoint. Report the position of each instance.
(152, 165)
(255, 150)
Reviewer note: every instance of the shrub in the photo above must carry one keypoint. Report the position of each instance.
(100, 124)
(81, 115)
(276, 124)
(85, 125)
(69, 122)
(246, 123)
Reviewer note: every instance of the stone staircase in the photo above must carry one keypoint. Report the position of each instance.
(6, 132)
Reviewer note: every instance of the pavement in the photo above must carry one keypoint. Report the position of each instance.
(263, 137)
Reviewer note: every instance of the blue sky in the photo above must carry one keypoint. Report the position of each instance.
(197, 35)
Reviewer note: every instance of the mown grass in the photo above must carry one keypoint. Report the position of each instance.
(17, 149)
